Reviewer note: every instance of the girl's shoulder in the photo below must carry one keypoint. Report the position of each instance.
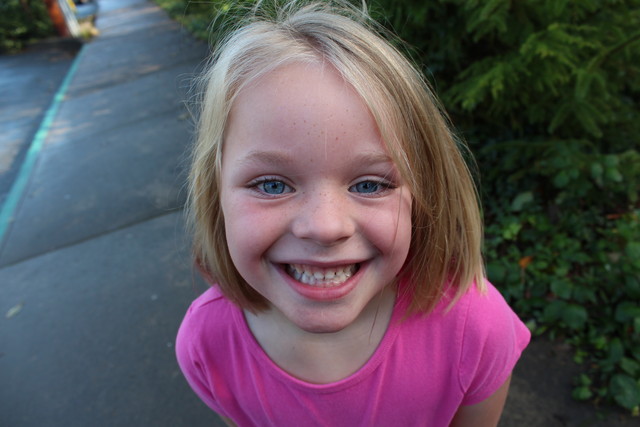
(479, 303)
(484, 308)
(209, 314)
(482, 319)
(492, 338)
(476, 340)
(213, 295)
(479, 322)
(206, 327)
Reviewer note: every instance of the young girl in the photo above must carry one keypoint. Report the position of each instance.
(339, 227)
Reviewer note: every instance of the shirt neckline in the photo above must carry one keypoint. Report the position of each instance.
(274, 370)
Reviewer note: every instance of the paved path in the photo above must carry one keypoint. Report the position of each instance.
(94, 267)
(28, 83)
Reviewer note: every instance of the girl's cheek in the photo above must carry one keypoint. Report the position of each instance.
(248, 220)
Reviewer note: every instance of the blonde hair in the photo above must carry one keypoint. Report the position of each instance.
(446, 238)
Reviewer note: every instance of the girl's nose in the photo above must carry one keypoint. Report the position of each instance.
(325, 218)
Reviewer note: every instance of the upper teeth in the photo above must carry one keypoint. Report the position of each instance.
(321, 276)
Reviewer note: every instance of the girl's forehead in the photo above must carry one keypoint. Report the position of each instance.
(301, 93)
(304, 108)
(297, 81)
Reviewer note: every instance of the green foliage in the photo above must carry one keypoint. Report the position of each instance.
(205, 20)
(22, 21)
(546, 93)
(196, 16)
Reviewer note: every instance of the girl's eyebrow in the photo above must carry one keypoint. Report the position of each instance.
(280, 158)
(272, 158)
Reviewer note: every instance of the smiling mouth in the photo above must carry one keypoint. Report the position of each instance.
(321, 277)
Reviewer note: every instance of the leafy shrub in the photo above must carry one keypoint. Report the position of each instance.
(198, 17)
(546, 94)
(22, 21)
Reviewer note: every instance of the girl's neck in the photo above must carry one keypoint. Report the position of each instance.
(323, 358)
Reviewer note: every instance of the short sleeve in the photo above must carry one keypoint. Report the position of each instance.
(493, 340)
(190, 361)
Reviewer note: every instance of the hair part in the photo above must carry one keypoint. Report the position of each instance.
(446, 241)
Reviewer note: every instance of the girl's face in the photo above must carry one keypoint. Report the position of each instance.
(317, 217)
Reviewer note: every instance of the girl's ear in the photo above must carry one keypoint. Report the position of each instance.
(204, 271)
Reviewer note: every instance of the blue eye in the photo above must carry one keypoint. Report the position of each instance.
(366, 187)
(372, 187)
(272, 187)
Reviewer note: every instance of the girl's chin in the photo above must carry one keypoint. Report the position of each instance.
(321, 322)
(321, 328)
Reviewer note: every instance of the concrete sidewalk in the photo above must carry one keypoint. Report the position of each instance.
(28, 83)
(94, 266)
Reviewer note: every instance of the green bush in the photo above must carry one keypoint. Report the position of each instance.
(546, 94)
(22, 21)
(197, 17)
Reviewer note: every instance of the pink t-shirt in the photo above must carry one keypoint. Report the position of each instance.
(423, 370)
